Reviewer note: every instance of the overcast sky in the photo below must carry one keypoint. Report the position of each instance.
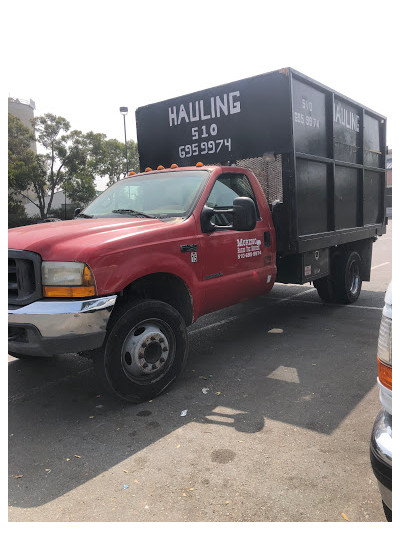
(84, 59)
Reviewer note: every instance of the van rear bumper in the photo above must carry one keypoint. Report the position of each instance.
(381, 455)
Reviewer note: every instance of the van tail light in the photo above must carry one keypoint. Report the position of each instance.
(385, 374)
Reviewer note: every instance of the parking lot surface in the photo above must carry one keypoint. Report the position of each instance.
(280, 394)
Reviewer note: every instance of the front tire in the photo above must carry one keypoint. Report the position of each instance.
(387, 511)
(145, 350)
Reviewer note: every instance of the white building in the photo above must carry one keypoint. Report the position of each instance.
(58, 201)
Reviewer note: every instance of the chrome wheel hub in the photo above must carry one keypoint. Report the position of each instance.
(146, 349)
(354, 278)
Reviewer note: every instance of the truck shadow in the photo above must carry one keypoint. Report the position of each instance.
(310, 373)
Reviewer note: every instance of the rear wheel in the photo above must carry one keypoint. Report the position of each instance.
(325, 289)
(145, 350)
(344, 283)
(347, 277)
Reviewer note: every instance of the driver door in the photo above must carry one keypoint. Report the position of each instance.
(233, 261)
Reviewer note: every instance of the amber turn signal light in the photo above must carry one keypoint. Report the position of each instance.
(385, 374)
(68, 292)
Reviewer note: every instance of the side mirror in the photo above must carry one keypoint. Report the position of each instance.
(244, 214)
(77, 211)
(205, 219)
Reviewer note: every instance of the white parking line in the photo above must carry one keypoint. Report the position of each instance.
(381, 265)
(293, 295)
(232, 318)
(225, 321)
(334, 305)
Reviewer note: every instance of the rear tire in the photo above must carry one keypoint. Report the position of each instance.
(325, 289)
(347, 278)
(145, 350)
(344, 284)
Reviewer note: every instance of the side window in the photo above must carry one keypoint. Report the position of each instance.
(226, 188)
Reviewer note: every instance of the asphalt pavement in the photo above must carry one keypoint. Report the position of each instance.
(280, 394)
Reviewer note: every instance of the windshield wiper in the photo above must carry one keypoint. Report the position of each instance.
(132, 212)
(83, 215)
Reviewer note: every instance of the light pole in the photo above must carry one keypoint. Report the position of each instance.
(65, 202)
(124, 112)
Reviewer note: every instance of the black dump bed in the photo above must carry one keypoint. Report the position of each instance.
(319, 156)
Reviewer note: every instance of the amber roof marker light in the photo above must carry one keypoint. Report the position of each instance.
(160, 167)
(148, 169)
(174, 165)
(199, 164)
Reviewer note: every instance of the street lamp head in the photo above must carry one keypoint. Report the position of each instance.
(123, 110)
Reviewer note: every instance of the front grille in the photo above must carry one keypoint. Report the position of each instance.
(12, 278)
(24, 279)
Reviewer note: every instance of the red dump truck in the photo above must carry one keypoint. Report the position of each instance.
(274, 178)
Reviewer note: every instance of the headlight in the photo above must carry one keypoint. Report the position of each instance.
(64, 279)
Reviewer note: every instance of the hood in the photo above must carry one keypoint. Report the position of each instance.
(73, 240)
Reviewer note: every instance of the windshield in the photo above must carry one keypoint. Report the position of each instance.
(154, 195)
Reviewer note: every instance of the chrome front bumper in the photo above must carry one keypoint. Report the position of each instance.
(381, 455)
(48, 327)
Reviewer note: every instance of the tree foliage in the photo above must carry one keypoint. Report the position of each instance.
(64, 158)
(107, 157)
(22, 163)
(80, 189)
(68, 160)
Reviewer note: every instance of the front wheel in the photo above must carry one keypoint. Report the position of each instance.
(145, 350)
(387, 511)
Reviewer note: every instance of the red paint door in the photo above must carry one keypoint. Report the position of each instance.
(235, 263)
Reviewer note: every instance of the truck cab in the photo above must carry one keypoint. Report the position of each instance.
(178, 243)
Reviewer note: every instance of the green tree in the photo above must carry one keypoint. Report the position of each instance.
(22, 163)
(69, 162)
(15, 207)
(80, 189)
(64, 159)
(107, 157)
